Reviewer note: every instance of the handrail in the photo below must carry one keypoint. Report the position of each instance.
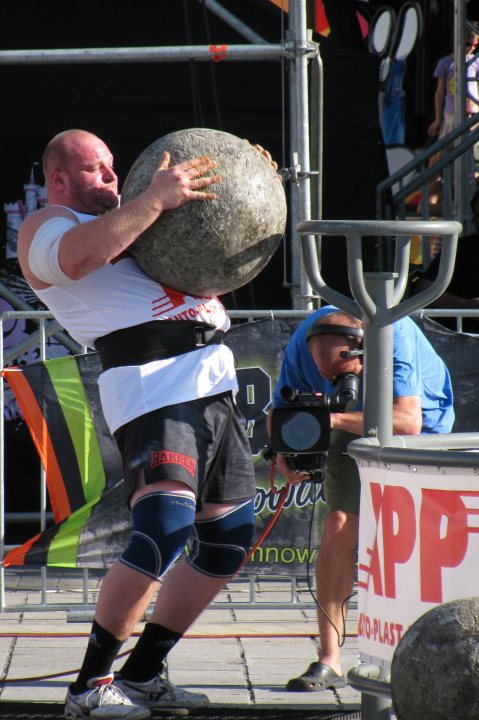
(432, 150)
(425, 449)
(452, 147)
(32, 340)
(52, 328)
(451, 154)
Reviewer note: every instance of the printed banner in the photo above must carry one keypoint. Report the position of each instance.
(62, 408)
(418, 547)
(61, 405)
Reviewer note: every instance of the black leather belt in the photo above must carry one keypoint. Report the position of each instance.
(154, 340)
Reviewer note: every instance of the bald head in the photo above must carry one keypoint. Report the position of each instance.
(326, 348)
(78, 169)
(60, 148)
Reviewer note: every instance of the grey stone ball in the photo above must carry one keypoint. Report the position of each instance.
(435, 668)
(211, 247)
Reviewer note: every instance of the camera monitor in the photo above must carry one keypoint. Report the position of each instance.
(300, 431)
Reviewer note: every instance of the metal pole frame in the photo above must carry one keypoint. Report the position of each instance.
(377, 301)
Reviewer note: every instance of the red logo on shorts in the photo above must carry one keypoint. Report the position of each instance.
(162, 457)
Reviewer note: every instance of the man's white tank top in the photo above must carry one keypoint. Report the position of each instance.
(120, 295)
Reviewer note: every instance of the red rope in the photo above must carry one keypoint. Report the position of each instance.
(281, 491)
(188, 636)
(66, 673)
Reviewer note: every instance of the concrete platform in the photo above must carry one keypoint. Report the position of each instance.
(240, 654)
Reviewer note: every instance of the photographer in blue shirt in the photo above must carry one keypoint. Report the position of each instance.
(324, 346)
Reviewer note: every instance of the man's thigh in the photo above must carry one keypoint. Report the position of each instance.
(341, 484)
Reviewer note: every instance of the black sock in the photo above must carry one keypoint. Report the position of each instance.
(100, 654)
(146, 659)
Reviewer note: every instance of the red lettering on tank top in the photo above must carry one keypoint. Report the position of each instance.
(168, 300)
(171, 299)
(163, 457)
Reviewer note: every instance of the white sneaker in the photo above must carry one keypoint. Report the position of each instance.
(102, 700)
(159, 693)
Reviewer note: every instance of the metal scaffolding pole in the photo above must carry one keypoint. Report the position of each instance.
(233, 21)
(143, 54)
(300, 148)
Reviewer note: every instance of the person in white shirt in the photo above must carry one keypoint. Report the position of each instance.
(167, 391)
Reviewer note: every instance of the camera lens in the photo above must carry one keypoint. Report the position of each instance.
(301, 432)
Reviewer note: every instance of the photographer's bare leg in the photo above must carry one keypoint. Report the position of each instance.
(334, 582)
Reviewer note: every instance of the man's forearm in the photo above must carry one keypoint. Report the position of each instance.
(406, 418)
(351, 422)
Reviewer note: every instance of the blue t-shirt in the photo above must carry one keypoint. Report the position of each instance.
(417, 370)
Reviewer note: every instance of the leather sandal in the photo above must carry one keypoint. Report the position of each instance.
(316, 678)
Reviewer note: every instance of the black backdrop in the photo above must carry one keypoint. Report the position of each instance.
(130, 105)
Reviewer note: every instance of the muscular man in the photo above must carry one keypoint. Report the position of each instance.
(423, 403)
(167, 394)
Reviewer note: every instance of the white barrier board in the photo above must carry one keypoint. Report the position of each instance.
(418, 547)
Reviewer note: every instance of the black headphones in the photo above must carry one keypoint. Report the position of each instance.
(345, 330)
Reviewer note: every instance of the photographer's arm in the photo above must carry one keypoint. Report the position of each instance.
(407, 418)
(351, 422)
(407, 415)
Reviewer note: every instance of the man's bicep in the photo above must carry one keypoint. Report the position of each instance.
(407, 415)
(43, 255)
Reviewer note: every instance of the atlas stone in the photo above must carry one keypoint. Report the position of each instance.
(435, 669)
(211, 247)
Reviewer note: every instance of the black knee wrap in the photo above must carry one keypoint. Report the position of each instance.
(222, 543)
(162, 523)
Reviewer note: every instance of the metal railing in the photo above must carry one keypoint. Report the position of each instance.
(417, 175)
(47, 326)
(83, 609)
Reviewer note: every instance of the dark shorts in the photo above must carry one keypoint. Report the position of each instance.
(341, 485)
(201, 443)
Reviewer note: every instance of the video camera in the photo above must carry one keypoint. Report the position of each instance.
(301, 431)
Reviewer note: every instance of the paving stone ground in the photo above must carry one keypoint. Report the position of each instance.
(240, 655)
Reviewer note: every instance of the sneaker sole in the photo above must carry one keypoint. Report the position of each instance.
(154, 705)
(140, 715)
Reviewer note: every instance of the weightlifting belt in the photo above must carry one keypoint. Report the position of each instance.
(154, 340)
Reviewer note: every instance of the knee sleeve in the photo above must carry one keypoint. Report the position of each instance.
(222, 543)
(162, 523)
